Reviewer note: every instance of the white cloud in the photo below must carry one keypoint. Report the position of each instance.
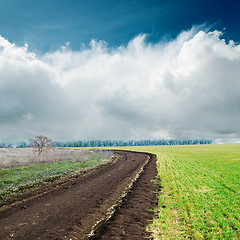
(188, 87)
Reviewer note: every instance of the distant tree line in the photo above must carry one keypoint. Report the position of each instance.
(115, 143)
(7, 145)
(118, 143)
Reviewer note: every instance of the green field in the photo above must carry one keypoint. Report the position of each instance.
(200, 191)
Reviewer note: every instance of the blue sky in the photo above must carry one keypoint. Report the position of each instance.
(47, 24)
(130, 69)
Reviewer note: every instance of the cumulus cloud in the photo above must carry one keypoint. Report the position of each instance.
(186, 88)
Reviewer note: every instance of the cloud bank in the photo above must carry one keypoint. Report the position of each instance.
(186, 88)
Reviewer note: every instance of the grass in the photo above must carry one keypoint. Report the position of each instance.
(200, 191)
(16, 180)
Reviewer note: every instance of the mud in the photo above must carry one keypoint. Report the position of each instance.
(110, 202)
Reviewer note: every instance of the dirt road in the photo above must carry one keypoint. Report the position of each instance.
(110, 202)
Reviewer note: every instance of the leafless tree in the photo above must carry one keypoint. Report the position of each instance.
(40, 143)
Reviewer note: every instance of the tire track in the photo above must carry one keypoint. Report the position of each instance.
(131, 218)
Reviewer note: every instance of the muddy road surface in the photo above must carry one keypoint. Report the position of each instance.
(109, 202)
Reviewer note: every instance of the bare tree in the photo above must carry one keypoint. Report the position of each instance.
(40, 143)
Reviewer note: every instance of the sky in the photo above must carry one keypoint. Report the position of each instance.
(130, 69)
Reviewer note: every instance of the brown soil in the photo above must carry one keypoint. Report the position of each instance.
(110, 202)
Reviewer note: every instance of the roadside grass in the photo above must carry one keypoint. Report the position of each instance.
(17, 180)
(200, 191)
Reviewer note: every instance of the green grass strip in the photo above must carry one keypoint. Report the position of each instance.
(14, 181)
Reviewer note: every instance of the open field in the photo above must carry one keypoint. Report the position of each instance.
(200, 191)
(10, 157)
(21, 170)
